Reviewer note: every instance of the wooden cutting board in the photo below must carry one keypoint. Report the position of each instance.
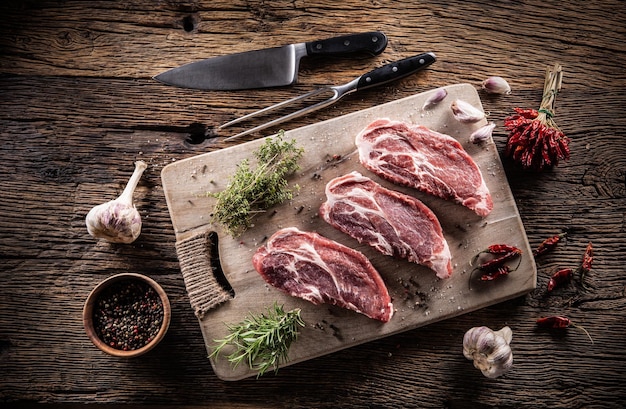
(419, 297)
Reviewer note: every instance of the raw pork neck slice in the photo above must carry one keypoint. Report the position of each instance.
(393, 223)
(319, 270)
(430, 161)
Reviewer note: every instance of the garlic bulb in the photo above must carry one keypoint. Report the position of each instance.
(489, 350)
(118, 221)
(496, 85)
(483, 133)
(466, 112)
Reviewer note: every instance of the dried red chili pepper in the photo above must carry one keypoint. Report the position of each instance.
(560, 277)
(497, 250)
(497, 262)
(554, 322)
(548, 244)
(492, 275)
(501, 249)
(587, 258)
(560, 322)
(534, 140)
(496, 267)
(585, 266)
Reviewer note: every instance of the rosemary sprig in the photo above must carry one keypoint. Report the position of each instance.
(262, 341)
(251, 191)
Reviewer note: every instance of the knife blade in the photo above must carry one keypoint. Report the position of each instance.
(269, 67)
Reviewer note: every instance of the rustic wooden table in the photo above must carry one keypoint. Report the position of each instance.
(78, 106)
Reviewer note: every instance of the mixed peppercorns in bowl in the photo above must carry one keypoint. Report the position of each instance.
(126, 315)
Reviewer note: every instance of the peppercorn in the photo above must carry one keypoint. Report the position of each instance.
(128, 315)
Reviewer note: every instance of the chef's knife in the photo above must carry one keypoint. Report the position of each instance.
(270, 67)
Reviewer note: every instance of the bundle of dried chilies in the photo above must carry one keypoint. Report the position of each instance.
(535, 141)
(496, 265)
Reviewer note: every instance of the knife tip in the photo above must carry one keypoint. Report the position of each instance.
(157, 78)
(165, 78)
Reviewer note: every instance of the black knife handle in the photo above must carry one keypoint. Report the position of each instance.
(373, 43)
(395, 70)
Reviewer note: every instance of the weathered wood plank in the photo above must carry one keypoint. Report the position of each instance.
(120, 41)
(78, 106)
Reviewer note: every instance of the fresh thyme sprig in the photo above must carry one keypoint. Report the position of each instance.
(262, 341)
(251, 191)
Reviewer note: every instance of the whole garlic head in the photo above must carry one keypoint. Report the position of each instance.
(489, 350)
(118, 221)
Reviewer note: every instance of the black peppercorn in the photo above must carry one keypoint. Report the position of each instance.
(128, 315)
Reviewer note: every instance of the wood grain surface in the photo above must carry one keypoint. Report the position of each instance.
(78, 106)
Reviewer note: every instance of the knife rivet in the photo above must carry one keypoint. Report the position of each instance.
(421, 61)
(318, 46)
(346, 43)
(368, 79)
(374, 39)
(394, 69)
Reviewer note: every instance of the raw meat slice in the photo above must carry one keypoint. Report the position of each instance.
(430, 161)
(393, 223)
(319, 270)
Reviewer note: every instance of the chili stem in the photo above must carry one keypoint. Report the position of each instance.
(584, 330)
(551, 87)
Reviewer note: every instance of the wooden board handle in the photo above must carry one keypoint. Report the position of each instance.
(204, 281)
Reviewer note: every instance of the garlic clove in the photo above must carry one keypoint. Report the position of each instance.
(483, 133)
(489, 350)
(118, 221)
(505, 333)
(466, 112)
(496, 85)
(436, 97)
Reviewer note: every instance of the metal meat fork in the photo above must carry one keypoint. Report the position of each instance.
(378, 76)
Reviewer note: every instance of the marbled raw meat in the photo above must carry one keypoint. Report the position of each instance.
(415, 156)
(393, 223)
(320, 270)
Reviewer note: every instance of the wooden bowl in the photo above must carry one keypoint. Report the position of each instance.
(90, 304)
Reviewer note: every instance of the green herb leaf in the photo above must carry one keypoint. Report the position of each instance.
(262, 341)
(251, 191)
